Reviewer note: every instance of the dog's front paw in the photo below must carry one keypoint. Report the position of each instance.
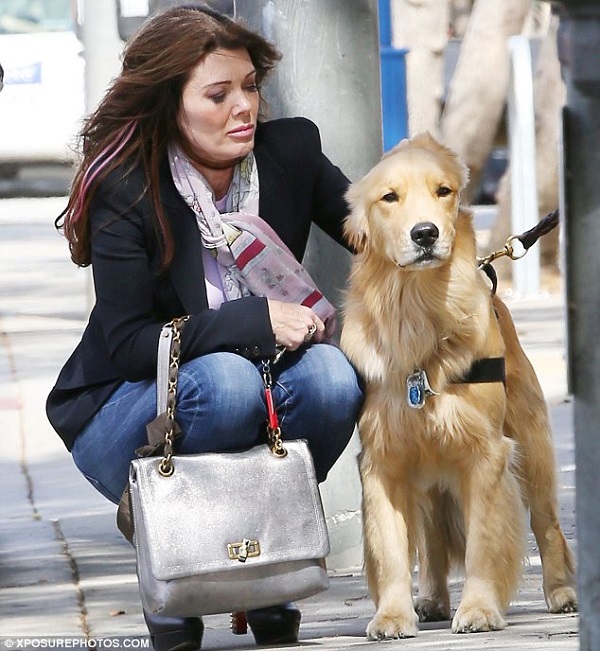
(562, 600)
(386, 627)
(477, 619)
(432, 610)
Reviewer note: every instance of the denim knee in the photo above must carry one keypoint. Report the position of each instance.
(330, 383)
(220, 403)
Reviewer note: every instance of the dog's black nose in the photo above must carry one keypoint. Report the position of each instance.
(424, 234)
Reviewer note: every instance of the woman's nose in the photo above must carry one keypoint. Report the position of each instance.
(242, 103)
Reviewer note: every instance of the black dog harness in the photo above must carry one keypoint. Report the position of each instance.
(490, 369)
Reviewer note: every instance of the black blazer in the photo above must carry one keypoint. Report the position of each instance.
(298, 185)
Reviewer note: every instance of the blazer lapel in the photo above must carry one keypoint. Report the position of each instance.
(187, 270)
(271, 176)
(276, 203)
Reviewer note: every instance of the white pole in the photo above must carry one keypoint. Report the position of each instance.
(521, 123)
(101, 47)
(101, 50)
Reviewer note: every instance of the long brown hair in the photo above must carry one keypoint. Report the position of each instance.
(137, 119)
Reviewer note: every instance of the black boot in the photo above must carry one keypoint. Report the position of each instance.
(174, 633)
(275, 624)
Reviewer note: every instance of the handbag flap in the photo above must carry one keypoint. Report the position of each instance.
(228, 510)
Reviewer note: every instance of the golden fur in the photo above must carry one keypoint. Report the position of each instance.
(453, 479)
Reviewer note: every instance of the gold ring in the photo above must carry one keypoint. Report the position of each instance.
(311, 331)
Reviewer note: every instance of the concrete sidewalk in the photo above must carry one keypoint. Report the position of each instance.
(66, 572)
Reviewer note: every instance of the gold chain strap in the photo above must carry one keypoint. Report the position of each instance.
(165, 467)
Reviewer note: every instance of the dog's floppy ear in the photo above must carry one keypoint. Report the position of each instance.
(356, 225)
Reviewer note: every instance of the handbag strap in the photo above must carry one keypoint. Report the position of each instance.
(273, 428)
(162, 367)
(169, 347)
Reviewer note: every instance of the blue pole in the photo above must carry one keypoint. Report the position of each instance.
(393, 82)
(385, 23)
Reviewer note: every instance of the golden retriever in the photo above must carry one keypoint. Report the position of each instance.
(452, 455)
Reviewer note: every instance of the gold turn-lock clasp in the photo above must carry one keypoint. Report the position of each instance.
(240, 551)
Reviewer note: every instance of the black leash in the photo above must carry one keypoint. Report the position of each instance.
(530, 237)
(526, 239)
(493, 369)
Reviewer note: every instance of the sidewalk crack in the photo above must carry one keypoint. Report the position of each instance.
(81, 603)
(12, 369)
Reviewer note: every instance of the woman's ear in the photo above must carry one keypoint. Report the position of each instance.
(356, 225)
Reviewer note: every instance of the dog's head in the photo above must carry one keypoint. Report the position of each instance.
(406, 207)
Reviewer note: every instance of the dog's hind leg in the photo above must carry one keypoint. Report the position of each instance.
(558, 566)
(537, 471)
(527, 422)
(440, 545)
(389, 553)
(495, 539)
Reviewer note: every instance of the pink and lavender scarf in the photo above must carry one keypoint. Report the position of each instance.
(252, 259)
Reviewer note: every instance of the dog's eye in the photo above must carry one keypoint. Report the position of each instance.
(390, 197)
(443, 191)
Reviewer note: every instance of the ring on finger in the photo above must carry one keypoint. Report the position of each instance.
(311, 331)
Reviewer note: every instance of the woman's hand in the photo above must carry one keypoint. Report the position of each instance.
(292, 324)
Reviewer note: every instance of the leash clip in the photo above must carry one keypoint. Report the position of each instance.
(508, 250)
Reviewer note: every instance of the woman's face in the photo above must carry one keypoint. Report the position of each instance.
(219, 106)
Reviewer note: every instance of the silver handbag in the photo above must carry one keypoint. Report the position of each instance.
(225, 532)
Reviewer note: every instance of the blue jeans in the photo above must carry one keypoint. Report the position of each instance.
(221, 406)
